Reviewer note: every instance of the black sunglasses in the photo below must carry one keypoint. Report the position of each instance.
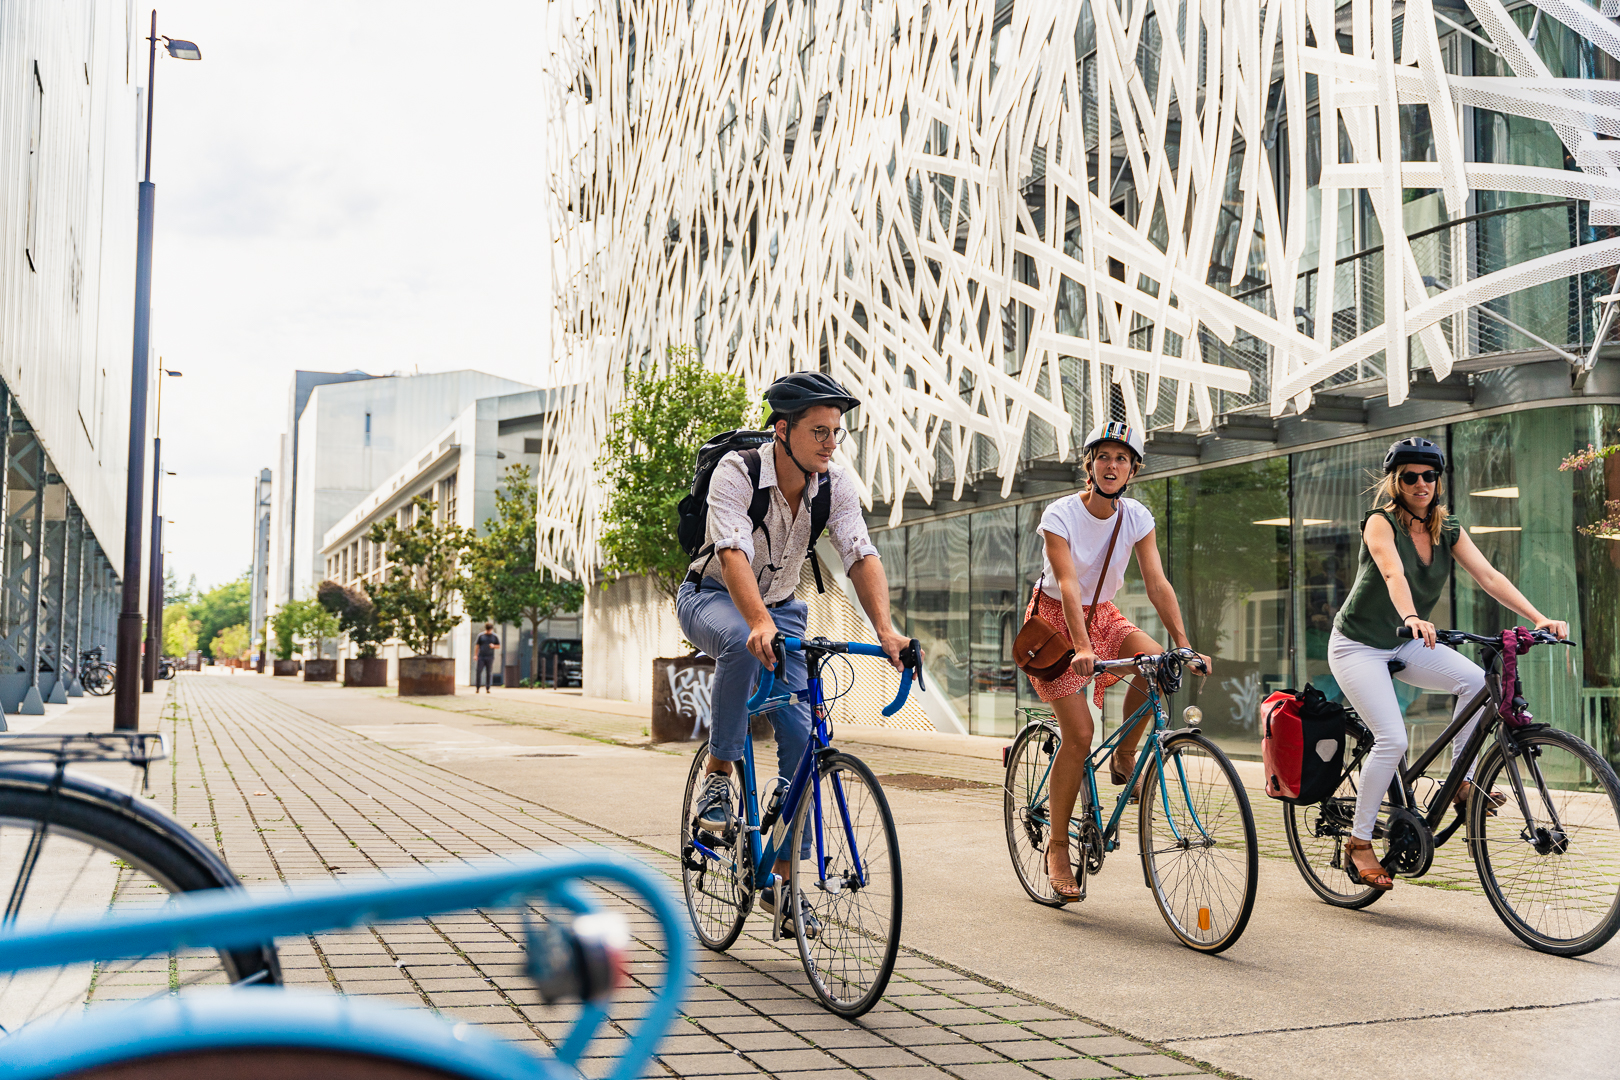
(1428, 476)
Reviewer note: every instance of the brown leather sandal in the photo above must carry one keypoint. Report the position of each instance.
(1119, 777)
(1492, 801)
(1067, 892)
(1375, 876)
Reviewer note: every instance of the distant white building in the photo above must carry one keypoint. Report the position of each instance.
(346, 433)
(459, 468)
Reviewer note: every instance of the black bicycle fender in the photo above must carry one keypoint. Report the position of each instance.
(41, 776)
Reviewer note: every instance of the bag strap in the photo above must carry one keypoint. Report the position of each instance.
(1091, 612)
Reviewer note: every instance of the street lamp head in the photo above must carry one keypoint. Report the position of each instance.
(173, 374)
(182, 50)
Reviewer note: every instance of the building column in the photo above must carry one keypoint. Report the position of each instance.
(33, 703)
(53, 612)
(73, 602)
(24, 518)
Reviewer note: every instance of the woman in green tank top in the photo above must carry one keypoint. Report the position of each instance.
(1408, 548)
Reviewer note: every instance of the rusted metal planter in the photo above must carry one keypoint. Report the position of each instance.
(427, 676)
(681, 688)
(366, 672)
(320, 671)
(285, 667)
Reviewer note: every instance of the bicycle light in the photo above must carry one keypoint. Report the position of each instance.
(584, 959)
(1192, 714)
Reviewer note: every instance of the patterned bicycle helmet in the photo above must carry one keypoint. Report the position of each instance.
(1117, 431)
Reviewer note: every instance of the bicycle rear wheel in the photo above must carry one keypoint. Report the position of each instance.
(70, 855)
(1317, 835)
(855, 895)
(97, 679)
(1198, 844)
(268, 1063)
(1555, 881)
(1025, 794)
(719, 892)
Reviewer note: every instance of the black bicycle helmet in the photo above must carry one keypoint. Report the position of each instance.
(1414, 452)
(792, 394)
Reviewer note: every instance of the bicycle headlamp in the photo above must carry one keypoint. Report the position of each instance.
(1193, 715)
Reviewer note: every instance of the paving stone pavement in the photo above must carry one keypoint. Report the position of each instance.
(287, 796)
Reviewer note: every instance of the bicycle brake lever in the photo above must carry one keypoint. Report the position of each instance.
(914, 651)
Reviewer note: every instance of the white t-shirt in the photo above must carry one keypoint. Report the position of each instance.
(1088, 542)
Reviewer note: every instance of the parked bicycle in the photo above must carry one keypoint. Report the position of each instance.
(95, 674)
(1195, 828)
(166, 668)
(1548, 857)
(848, 892)
(575, 950)
(71, 845)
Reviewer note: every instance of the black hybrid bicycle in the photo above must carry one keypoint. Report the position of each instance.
(1548, 857)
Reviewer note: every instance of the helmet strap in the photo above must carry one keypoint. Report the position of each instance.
(1096, 489)
(795, 460)
(1424, 520)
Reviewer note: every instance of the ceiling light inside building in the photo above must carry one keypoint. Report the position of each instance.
(1497, 493)
(1287, 522)
(1481, 530)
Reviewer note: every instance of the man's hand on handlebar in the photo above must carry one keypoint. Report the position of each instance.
(893, 645)
(759, 643)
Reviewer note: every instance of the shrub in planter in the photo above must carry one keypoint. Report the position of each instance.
(424, 577)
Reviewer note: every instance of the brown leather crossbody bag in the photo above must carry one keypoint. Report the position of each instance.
(1040, 649)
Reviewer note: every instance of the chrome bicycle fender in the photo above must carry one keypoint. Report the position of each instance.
(267, 1017)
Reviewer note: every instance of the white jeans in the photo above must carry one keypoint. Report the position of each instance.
(1363, 674)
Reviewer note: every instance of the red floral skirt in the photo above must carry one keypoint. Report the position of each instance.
(1109, 629)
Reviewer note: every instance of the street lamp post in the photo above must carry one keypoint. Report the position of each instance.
(154, 594)
(127, 705)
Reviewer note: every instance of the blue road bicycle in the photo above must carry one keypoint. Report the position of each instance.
(1195, 826)
(574, 950)
(847, 894)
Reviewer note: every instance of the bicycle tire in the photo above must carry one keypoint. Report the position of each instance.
(86, 813)
(1023, 808)
(716, 919)
(265, 1063)
(1317, 835)
(852, 955)
(1205, 893)
(1584, 897)
(98, 679)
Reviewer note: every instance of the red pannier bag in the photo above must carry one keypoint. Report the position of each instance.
(1302, 745)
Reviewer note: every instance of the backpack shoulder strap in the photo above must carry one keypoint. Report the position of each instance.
(760, 503)
(820, 511)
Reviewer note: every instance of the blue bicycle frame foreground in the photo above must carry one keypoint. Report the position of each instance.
(1195, 825)
(246, 1033)
(832, 824)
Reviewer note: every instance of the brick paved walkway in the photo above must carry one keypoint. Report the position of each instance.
(287, 796)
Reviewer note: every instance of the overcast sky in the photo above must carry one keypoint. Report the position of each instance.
(345, 184)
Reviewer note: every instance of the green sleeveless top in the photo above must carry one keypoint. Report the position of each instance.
(1369, 616)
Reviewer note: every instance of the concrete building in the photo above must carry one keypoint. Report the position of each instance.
(259, 580)
(459, 468)
(346, 432)
(69, 166)
(1383, 226)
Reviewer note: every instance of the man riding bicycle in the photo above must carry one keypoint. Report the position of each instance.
(739, 593)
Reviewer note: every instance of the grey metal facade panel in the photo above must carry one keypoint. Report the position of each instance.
(68, 157)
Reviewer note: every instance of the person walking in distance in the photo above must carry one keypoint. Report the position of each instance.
(488, 642)
(739, 591)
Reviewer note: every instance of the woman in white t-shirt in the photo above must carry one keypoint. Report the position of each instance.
(1077, 530)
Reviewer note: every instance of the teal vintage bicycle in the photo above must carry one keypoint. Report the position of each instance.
(1195, 826)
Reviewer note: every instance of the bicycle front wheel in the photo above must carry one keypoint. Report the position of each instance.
(719, 888)
(254, 1062)
(67, 854)
(98, 680)
(850, 884)
(1198, 844)
(1553, 878)
(1025, 798)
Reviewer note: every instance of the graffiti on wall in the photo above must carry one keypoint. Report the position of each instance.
(689, 691)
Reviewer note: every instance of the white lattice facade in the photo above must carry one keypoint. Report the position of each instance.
(984, 217)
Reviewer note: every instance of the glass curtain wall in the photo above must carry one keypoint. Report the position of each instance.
(1233, 539)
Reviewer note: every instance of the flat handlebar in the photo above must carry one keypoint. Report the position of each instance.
(1459, 637)
(910, 656)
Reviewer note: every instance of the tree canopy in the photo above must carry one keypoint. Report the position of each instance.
(652, 443)
(424, 575)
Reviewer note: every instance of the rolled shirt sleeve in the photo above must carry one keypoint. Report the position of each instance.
(846, 525)
(730, 492)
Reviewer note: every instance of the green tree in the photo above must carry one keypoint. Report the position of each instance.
(219, 607)
(357, 616)
(503, 585)
(652, 440)
(424, 575)
(230, 643)
(179, 630)
(286, 622)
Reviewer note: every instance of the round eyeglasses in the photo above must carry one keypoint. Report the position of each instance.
(826, 435)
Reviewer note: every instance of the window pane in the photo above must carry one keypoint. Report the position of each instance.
(1597, 571)
(993, 582)
(1230, 571)
(937, 611)
(1030, 549)
(891, 545)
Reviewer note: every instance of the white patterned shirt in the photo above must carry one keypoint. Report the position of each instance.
(784, 539)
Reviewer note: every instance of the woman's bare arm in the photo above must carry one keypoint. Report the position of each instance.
(1062, 560)
(1380, 537)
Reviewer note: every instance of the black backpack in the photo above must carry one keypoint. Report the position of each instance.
(693, 521)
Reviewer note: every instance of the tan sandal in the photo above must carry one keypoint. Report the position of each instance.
(1066, 892)
(1492, 801)
(1374, 877)
(1120, 777)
